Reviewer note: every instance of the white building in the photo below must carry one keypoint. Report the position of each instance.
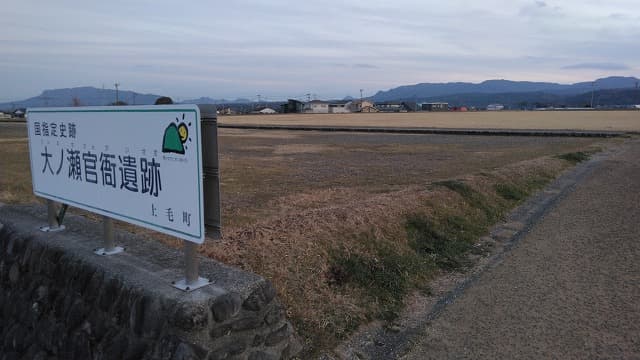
(316, 107)
(495, 107)
(339, 108)
(268, 111)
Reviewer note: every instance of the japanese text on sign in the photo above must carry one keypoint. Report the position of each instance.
(139, 164)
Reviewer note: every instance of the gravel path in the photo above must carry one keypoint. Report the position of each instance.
(569, 290)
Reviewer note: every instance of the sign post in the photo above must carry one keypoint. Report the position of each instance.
(211, 181)
(52, 220)
(109, 244)
(139, 164)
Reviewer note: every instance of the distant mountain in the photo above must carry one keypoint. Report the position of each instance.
(208, 100)
(81, 96)
(531, 100)
(421, 92)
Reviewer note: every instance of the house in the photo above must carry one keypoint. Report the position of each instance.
(339, 108)
(4, 116)
(410, 106)
(361, 106)
(495, 107)
(316, 107)
(391, 106)
(226, 111)
(434, 106)
(293, 106)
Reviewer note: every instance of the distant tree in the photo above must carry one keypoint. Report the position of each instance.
(164, 100)
(76, 102)
(119, 103)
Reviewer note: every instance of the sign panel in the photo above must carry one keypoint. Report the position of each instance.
(139, 164)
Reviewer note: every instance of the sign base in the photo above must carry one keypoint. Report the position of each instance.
(103, 252)
(182, 284)
(52, 229)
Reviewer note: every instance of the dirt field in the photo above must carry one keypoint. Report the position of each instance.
(261, 171)
(550, 120)
(310, 210)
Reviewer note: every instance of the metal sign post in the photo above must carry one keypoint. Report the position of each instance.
(109, 244)
(52, 219)
(211, 193)
(192, 279)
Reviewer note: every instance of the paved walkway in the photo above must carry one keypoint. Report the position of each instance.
(569, 290)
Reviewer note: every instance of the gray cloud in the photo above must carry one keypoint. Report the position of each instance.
(250, 47)
(597, 66)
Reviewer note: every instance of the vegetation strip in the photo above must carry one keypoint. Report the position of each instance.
(393, 344)
(392, 130)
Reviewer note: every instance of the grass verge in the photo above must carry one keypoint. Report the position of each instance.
(437, 238)
(576, 157)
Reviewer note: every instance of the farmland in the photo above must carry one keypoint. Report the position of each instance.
(318, 214)
(548, 120)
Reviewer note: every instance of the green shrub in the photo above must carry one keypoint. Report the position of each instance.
(386, 276)
(511, 192)
(475, 199)
(575, 157)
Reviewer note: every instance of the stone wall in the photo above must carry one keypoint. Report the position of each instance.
(59, 300)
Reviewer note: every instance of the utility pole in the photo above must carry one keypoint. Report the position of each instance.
(361, 95)
(308, 97)
(116, 85)
(593, 87)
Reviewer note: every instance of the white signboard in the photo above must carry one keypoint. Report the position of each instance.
(139, 164)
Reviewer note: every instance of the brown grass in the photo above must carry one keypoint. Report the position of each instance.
(291, 201)
(553, 120)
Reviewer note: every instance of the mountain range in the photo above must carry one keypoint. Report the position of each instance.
(81, 96)
(429, 91)
(513, 94)
(91, 96)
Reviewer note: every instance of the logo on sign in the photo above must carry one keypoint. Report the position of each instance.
(175, 137)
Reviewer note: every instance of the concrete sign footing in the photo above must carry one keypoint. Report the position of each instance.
(51, 228)
(182, 284)
(104, 252)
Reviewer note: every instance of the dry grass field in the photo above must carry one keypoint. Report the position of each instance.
(346, 225)
(548, 120)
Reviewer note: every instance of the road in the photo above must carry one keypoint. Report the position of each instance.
(570, 289)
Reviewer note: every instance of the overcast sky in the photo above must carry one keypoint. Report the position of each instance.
(281, 49)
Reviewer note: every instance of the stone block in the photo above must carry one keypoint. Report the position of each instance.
(190, 318)
(186, 351)
(220, 331)
(260, 297)
(14, 273)
(246, 323)
(58, 300)
(262, 355)
(279, 335)
(226, 306)
(274, 315)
